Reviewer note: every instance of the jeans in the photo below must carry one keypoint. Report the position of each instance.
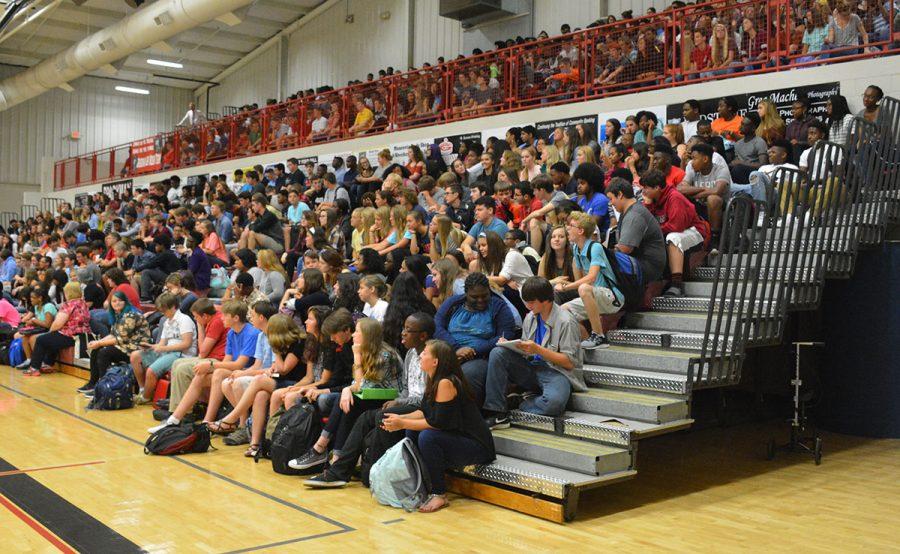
(149, 277)
(756, 188)
(159, 362)
(441, 451)
(47, 346)
(355, 444)
(100, 322)
(340, 424)
(104, 358)
(551, 388)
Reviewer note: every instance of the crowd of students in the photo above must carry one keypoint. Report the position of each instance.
(449, 285)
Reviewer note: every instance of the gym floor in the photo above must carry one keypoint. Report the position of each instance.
(74, 480)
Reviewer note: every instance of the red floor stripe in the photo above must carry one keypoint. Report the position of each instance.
(32, 470)
(39, 529)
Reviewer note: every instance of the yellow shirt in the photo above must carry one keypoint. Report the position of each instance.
(363, 117)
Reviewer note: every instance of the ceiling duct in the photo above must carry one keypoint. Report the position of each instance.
(475, 12)
(153, 23)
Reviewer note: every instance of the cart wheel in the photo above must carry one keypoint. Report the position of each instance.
(770, 449)
(817, 452)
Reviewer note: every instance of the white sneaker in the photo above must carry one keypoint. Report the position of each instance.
(163, 425)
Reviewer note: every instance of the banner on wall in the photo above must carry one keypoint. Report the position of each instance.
(545, 128)
(783, 98)
(660, 111)
(306, 159)
(82, 200)
(146, 154)
(398, 151)
(117, 187)
(449, 145)
(194, 180)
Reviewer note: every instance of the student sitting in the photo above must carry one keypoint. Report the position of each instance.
(233, 385)
(240, 347)
(163, 264)
(638, 232)
(679, 223)
(372, 289)
(473, 322)
(375, 365)
(287, 349)
(36, 322)
(211, 342)
(706, 183)
(71, 320)
(128, 331)
(318, 349)
(177, 339)
(417, 330)
(546, 364)
(308, 291)
(594, 281)
(448, 430)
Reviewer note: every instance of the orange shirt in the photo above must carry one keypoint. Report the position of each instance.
(729, 130)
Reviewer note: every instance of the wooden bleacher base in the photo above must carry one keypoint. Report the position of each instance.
(73, 370)
(532, 505)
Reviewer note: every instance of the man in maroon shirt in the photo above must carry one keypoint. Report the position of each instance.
(680, 224)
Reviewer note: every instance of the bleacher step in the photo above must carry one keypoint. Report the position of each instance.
(647, 359)
(701, 304)
(571, 454)
(538, 478)
(606, 376)
(596, 426)
(707, 273)
(651, 408)
(684, 322)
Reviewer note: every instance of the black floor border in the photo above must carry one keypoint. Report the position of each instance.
(70, 523)
(342, 527)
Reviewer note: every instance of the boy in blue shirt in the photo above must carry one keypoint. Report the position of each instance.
(484, 222)
(594, 280)
(590, 195)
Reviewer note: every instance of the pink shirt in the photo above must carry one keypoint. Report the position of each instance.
(8, 314)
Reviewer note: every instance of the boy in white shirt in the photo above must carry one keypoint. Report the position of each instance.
(177, 338)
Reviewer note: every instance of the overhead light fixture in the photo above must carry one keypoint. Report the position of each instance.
(164, 63)
(133, 90)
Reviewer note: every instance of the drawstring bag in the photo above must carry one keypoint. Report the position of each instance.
(399, 478)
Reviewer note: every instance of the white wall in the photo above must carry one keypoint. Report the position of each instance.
(103, 116)
(328, 51)
(255, 81)
(857, 75)
(433, 35)
(638, 7)
(549, 15)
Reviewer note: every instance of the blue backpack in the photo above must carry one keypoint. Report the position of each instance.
(629, 278)
(16, 353)
(114, 390)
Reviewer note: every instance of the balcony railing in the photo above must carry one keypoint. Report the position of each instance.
(625, 57)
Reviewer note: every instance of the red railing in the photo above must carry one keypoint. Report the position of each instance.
(759, 36)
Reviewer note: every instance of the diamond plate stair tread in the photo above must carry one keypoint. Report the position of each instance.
(641, 406)
(672, 322)
(563, 452)
(538, 478)
(655, 359)
(637, 429)
(591, 371)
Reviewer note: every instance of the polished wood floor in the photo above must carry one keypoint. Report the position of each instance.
(702, 490)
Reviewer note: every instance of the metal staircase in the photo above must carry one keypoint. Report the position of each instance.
(773, 259)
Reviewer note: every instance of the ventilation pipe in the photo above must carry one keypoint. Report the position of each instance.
(151, 24)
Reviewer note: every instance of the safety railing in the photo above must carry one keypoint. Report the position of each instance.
(6, 218)
(28, 211)
(775, 254)
(645, 53)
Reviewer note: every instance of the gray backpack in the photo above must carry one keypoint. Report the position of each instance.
(399, 478)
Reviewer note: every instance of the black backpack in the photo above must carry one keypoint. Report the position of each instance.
(629, 278)
(114, 390)
(296, 432)
(173, 440)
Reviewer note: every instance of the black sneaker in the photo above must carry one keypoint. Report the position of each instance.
(161, 415)
(325, 480)
(499, 421)
(595, 341)
(310, 459)
(84, 388)
(674, 291)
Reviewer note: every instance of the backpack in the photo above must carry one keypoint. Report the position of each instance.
(629, 278)
(4, 354)
(265, 448)
(114, 390)
(296, 432)
(172, 440)
(399, 478)
(16, 353)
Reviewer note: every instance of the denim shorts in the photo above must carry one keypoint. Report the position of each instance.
(159, 362)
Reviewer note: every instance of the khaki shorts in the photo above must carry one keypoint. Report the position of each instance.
(606, 304)
(686, 239)
(265, 241)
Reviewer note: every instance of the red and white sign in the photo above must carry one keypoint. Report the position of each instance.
(145, 156)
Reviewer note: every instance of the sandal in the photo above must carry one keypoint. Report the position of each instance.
(222, 427)
(252, 452)
(31, 372)
(431, 497)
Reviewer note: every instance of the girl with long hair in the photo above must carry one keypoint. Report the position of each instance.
(840, 120)
(274, 275)
(556, 264)
(444, 237)
(129, 332)
(35, 322)
(549, 157)
(346, 293)
(723, 51)
(447, 279)
(331, 263)
(407, 298)
(771, 126)
(449, 429)
(376, 365)
(613, 135)
(372, 290)
(416, 164)
(503, 266)
(317, 352)
(530, 167)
